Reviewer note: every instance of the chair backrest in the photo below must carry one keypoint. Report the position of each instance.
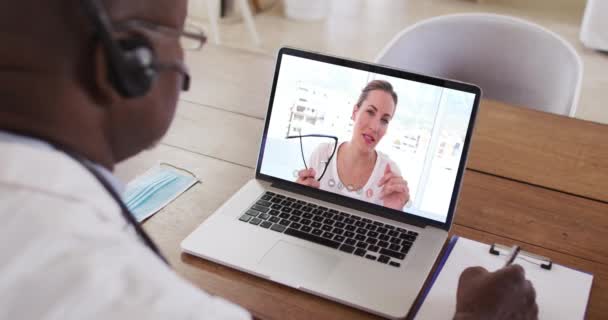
(511, 59)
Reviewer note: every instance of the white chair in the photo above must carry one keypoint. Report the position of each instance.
(213, 9)
(511, 59)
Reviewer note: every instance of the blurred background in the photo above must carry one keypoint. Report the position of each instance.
(359, 29)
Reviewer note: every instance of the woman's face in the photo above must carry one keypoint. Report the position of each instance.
(372, 119)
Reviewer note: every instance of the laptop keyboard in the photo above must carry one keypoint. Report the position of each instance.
(342, 231)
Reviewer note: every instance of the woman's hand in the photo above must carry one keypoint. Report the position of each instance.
(307, 177)
(395, 192)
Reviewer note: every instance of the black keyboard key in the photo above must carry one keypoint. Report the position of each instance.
(245, 218)
(329, 222)
(394, 247)
(333, 211)
(395, 240)
(391, 253)
(312, 238)
(322, 208)
(266, 224)
(349, 234)
(406, 243)
(300, 202)
(317, 218)
(415, 234)
(405, 250)
(286, 203)
(267, 197)
(295, 218)
(316, 224)
(388, 226)
(360, 252)
(307, 215)
(255, 221)
(327, 215)
(350, 241)
(252, 213)
(260, 208)
(372, 234)
(326, 228)
(371, 240)
(317, 211)
(347, 248)
(296, 206)
(307, 209)
(264, 203)
(349, 221)
(270, 193)
(355, 217)
(340, 225)
(338, 231)
(383, 259)
(264, 216)
(339, 238)
(401, 230)
(339, 218)
(296, 225)
(371, 227)
(361, 245)
(394, 264)
(297, 213)
(361, 231)
(284, 215)
(360, 237)
(286, 209)
(305, 222)
(274, 212)
(317, 232)
(278, 227)
(312, 205)
(378, 223)
(290, 199)
(384, 237)
(382, 230)
(276, 206)
(383, 244)
(350, 227)
(284, 222)
(393, 233)
(328, 235)
(276, 200)
(306, 228)
(369, 256)
(373, 248)
(366, 220)
(360, 224)
(280, 196)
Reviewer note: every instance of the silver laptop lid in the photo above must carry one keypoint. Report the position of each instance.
(420, 131)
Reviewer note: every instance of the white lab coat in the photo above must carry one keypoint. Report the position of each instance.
(65, 252)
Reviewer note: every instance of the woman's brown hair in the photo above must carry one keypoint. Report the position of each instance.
(377, 85)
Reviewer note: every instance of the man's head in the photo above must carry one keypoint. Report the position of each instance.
(55, 75)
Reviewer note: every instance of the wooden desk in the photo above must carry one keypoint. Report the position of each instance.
(534, 179)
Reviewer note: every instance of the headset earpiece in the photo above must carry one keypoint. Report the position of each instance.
(134, 73)
(130, 60)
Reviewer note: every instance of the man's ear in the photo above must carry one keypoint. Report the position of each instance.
(103, 88)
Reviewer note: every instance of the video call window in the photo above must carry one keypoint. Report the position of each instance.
(420, 138)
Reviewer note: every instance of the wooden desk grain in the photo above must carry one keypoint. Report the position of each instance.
(556, 152)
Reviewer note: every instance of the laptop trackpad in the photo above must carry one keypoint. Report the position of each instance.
(294, 265)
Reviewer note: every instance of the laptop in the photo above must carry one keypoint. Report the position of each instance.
(322, 234)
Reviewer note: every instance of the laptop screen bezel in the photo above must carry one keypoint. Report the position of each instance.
(392, 214)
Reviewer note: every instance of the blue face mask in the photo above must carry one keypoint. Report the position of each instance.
(149, 193)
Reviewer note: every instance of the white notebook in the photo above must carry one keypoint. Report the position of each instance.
(561, 292)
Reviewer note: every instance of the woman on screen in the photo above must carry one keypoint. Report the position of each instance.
(359, 170)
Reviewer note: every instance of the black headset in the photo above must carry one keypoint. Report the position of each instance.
(130, 60)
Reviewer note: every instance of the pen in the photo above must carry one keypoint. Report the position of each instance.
(512, 255)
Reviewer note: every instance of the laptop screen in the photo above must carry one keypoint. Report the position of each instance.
(369, 133)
